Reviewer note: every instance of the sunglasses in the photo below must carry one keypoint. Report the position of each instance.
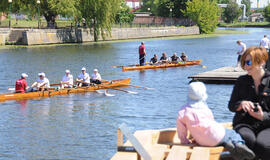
(249, 63)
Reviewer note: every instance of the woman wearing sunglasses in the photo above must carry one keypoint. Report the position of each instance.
(250, 100)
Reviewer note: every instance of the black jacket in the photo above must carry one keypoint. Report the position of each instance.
(244, 89)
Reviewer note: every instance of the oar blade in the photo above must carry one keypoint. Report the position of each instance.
(132, 92)
(11, 89)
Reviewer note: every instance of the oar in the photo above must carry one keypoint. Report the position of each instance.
(131, 92)
(136, 86)
(55, 84)
(128, 84)
(131, 65)
(105, 93)
(11, 89)
(126, 65)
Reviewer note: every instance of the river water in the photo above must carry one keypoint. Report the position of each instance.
(83, 126)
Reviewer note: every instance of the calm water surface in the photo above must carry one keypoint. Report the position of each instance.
(83, 126)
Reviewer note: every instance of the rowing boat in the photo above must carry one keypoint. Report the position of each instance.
(179, 64)
(161, 144)
(51, 92)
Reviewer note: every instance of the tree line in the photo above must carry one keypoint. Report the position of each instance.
(101, 14)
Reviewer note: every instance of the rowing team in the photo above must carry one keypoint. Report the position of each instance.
(43, 83)
(165, 59)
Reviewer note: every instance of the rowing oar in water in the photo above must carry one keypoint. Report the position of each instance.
(105, 93)
(128, 84)
(131, 92)
(131, 65)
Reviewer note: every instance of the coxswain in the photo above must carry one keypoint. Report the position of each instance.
(154, 60)
(174, 58)
(67, 80)
(142, 54)
(41, 84)
(83, 78)
(184, 57)
(95, 77)
(21, 84)
(164, 58)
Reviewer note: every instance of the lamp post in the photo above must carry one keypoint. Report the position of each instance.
(38, 2)
(171, 15)
(9, 15)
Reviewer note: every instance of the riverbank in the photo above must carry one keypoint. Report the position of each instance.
(246, 24)
(215, 34)
(81, 35)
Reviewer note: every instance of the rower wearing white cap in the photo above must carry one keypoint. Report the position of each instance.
(95, 77)
(83, 78)
(67, 80)
(42, 83)
(21, 84)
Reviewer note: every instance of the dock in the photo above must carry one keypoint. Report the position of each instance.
(224, 75)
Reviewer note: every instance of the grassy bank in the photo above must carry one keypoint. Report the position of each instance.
(245, 24)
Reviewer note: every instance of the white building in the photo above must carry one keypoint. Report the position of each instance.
(134, 4)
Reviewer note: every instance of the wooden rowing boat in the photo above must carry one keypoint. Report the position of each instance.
(29, 95)
(162, 144)
(179, 64)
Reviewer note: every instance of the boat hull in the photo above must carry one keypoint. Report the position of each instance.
(65, 91)
(179, 64)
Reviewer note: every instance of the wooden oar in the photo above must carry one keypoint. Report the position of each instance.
(131, 65)
(131, 92)
(128, 84)
(55, 84)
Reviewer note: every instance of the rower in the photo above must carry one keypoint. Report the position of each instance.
(154, 59)
(41, 84)
(183, 57)
(21, 84)
(83, 78)
(67, 80)
(174, 58)
(95, 77)
(164, 58)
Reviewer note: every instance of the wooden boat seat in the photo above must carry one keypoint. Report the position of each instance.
(164, 145)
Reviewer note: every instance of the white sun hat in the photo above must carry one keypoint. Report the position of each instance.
(24, 75)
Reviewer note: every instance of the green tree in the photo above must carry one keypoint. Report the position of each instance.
(48, 8)
(162, 7)
(100, 15)
(232, 12)
(123, 15)
(204, 13)
(152, 5)
(266, 13)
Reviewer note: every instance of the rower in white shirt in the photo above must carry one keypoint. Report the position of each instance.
(67, 80)
(95, 77)
(83, 78)
(41, 84)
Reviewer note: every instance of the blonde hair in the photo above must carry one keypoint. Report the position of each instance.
(258, 56)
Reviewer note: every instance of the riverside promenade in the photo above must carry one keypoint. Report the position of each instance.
(80, 35)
